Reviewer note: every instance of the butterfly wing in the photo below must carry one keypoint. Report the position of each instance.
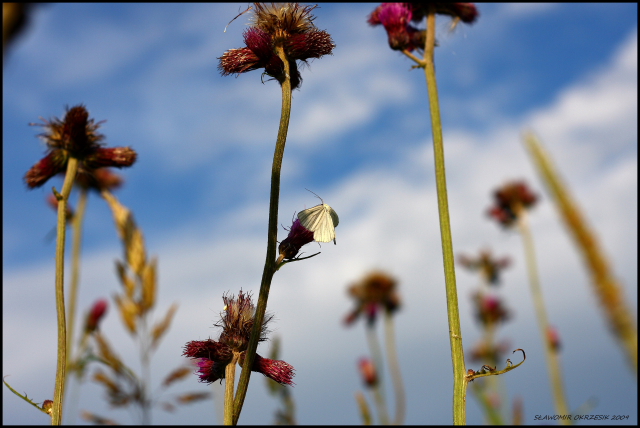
(310, 217)
(325, 231)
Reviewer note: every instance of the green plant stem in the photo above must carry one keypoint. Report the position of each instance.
(455, 334)
(553, 363)
(58, 395)
(394, 367)
(270, 265)
(78, 219)
(378, 389)
(229, 383)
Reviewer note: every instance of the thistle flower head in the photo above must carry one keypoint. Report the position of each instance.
(488, 266)
(298, 237)
(375, 292)
(288, 26)
(396, 19)
(509, 202)
(75, 136)
(236, 323)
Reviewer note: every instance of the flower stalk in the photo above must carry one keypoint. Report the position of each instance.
(75, 269)
(455, 334)
(394, 367)
(553, 362)
(270, 265)
(58, 396)
(230, 383)
(378, 392)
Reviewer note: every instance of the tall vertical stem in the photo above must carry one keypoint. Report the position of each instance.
(75, 270)
(394, 367)
(553, 363)
(270, 264)
(378, 388)
(455, 334)
(58, 395)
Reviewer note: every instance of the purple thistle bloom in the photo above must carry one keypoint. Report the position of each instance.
(298, 237)
(289, 26)
(236, 322)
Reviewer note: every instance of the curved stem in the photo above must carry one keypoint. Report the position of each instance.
(58, 395)
(455, 334)
(378, 391)
(272, 237)
(394, 367)
(553, 363)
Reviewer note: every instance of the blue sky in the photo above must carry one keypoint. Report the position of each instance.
(360, 138)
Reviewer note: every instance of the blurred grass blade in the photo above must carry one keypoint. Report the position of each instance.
(606, 286)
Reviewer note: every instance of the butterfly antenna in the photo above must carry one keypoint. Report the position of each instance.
(314, 194)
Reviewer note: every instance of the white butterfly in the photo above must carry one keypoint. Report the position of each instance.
(321, 220)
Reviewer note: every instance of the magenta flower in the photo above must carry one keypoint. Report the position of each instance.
(76, 137)
(298, 237)
(289, 26)
(396, 19)
(236, 324)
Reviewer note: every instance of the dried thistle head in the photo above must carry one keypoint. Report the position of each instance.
(75, 136)
(236, 323)
(288, 26)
